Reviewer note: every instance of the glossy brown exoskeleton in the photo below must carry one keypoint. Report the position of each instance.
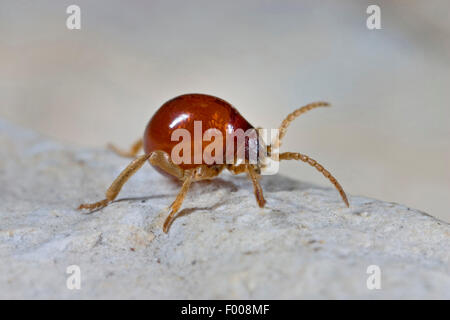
(183, 112)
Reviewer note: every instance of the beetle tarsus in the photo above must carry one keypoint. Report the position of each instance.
(93, 206)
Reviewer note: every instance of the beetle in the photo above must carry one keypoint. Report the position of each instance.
(183, 112)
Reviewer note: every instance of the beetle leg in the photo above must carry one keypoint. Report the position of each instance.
(319, 167)
(132, 153)
(256, 186)
(162, 160)
(290, 117)
(236, 169)
(175, 206)
(117, 184)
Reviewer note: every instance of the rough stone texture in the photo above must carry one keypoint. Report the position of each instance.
(304, 244)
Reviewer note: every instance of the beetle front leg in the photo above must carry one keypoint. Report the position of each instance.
(175, 206)
(256, 186)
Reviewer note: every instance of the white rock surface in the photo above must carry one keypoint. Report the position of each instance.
(304, 244)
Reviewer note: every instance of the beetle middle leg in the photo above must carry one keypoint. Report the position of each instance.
(175, 206)
(117, 184)
(132, 153)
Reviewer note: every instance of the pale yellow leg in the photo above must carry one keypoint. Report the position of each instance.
(162, 160)
(256, 186)
(320, 168)
(241, 168)
(132, 153)
(175, 206)
(117, 184)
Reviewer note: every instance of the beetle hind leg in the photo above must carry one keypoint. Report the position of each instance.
(96, 205)
(132, 153)
(117, 184)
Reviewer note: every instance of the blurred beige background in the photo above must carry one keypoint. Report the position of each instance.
(386, 136)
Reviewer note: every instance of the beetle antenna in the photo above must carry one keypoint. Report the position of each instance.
(320, 168)
(290, 117)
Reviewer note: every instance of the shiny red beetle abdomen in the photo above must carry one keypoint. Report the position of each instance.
(181, 112)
